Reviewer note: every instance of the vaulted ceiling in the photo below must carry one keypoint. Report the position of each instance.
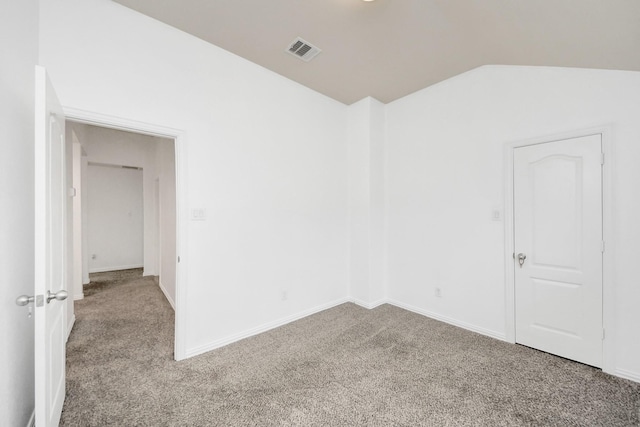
(390, 48)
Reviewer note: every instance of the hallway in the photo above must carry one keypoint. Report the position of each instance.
(124, 330)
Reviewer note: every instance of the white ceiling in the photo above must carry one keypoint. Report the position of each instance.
(390, 48)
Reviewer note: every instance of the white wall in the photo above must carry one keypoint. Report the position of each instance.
(76, 169)
(114, 218)
(445, 176)
(167, 218)
(69, 230)
(114, 147)
(84, 168)
(18, 53)
(266, 159)
(156, 157)
(366, 135)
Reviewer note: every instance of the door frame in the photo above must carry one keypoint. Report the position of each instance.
(180, 141)
(608, 284)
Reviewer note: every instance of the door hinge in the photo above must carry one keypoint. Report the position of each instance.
(602, 158)
(602, 245)
(178, 259)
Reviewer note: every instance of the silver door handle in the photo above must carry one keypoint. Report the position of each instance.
(60, 296)
(521, 258)
(24, 300)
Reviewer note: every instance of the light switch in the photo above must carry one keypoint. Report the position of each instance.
(496, 215)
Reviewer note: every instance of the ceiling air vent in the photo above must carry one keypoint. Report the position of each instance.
(303, 49)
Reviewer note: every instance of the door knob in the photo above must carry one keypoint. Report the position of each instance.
(521, 258)
(60, 296)
(24, 300)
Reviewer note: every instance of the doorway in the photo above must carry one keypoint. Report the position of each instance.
(556, 226)
(558, 247)
(152, 151)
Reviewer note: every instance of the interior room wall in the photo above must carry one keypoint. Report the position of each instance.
(377, 197)
(266, 160)
(366, 137)
(359, 203)
(165, 154)
(84, 168)
(79, 138)
(446, 175)
(69, 236)
(115, 218)
(76, 167)
(19, 53)
(156, 157)
(116, 147)
(274, 240)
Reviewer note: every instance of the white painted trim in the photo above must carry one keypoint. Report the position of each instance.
(509, 250)
(468, 326)
(180, 139)
(119, 123)
(608, 283)
(70, 326)
(608, 258)
(385, 207)
(32, 419)
(368, 305)
(78, 297)
(628, 375)
(166, 294)
(116, 268)
(281, 322)
(263, 328)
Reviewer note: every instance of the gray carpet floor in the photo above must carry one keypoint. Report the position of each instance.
(346, 366)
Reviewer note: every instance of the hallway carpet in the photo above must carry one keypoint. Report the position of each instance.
(346, 366)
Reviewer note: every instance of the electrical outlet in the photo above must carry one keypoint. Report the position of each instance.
(438, 293)
(198, 214)
(284, 295)
(94, 256)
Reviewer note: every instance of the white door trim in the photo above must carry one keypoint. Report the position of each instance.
(608, 283)
(179, 136)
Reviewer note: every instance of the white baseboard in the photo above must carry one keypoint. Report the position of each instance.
(32, 419)
(271, 325)
(622, 373)
(116, 268)
(473, 328)
(78, 297)
(628, 375)
(262, 328)
(369, 305)
(166, 294)
(70, 326)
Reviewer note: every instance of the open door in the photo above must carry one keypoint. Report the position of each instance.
(50, 280)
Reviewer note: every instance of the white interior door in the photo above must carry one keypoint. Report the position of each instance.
(50, 280)
(558, 228)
